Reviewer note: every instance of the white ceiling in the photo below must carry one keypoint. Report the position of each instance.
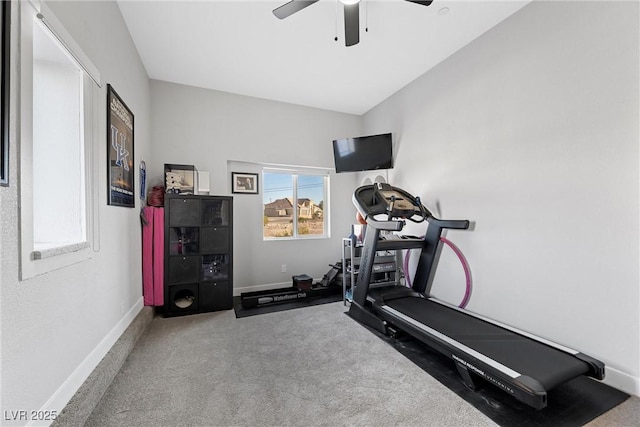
(241, 47)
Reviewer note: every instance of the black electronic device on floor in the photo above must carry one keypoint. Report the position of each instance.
(519, 363)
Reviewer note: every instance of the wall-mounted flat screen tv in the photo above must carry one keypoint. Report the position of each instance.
(363, 153)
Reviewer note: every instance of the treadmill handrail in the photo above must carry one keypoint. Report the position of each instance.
(449, 223)
(385, 225)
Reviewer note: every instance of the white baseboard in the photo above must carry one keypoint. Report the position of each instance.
(622, 381)
(63, 395)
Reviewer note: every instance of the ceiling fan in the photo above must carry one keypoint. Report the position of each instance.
(351, 15)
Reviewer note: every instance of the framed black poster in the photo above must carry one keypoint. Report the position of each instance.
(120, 170)
(5, 30)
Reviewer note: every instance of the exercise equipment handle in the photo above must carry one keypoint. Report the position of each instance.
(452, 224)
(385, 225)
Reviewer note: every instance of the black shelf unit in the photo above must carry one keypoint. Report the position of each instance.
(198, 266)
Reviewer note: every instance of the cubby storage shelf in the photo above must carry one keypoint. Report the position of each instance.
(198, 254)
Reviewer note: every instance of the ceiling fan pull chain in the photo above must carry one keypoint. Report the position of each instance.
(336, 21)
(366, 16)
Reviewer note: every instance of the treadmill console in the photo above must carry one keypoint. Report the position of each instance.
(397, 205)
(384, 199)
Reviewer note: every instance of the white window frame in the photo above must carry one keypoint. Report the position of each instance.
(295, 171)
(36, 262)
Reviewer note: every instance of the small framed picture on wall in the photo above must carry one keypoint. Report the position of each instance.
(244, 183)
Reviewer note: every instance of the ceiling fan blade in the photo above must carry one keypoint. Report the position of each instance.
(424, 3)
(292, 7)
(351, 24)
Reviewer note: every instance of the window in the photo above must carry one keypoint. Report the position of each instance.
(58, 96)
(58, 153)
(295, 204)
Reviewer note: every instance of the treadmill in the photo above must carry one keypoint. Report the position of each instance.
(519, 363)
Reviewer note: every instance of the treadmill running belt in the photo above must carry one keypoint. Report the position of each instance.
(526, 356)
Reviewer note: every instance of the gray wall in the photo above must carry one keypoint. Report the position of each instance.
(56, 327)
(531, 131)
(220, 133)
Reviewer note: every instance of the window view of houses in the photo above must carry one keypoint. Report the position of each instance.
(283, 211)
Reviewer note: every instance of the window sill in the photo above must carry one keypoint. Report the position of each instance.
(49, 250)
(306, 237)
